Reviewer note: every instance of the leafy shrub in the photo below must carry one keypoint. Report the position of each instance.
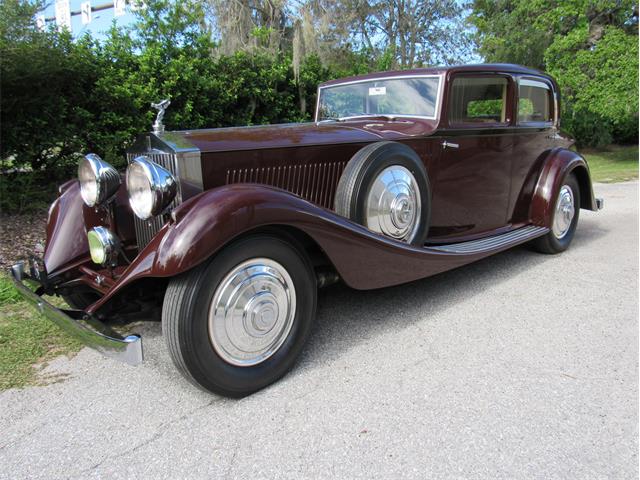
(599, 85)
(46, 78)
(27, 192)
(589, 128)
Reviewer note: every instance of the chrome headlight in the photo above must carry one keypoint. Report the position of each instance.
(103, 246)
(99, 181)
(151, 188)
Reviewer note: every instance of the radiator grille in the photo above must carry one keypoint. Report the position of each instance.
(147, 229)
(315, 182)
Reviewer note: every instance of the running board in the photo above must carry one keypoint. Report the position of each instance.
(497, 242)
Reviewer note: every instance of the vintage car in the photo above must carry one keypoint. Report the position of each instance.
(226, 234)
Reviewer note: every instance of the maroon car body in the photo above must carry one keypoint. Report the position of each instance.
(497, 188)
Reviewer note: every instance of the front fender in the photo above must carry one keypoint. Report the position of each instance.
(204, 224)
(69, 219)
(559, 163)
(66, 234)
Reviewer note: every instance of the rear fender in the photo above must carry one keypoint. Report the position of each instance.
(558, 165)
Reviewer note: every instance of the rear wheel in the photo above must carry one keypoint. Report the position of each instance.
(237, 323)
(565, 219)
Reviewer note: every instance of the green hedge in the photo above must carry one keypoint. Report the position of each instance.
(60, 96)
(599, 85)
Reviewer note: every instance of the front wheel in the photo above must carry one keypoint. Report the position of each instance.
(237, 323)
(565, 219)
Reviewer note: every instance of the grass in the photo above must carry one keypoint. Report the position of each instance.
(616, 163)
(27, 340)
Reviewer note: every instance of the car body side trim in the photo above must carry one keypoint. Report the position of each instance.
(512, 238)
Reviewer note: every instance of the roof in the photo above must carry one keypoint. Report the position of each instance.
(480, 67)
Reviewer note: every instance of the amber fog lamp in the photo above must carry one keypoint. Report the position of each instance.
(151, 188)
(99, 181)
(103, 246)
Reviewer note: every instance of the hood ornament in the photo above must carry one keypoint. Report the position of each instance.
(161, 106)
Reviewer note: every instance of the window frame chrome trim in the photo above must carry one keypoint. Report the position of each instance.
(554, 97)
(437, 105)
(511, 84)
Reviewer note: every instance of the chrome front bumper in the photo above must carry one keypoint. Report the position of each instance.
(88, 330)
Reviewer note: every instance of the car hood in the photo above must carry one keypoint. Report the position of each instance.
(301, 134)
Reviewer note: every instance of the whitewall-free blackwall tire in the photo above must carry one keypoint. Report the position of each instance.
(238, 322)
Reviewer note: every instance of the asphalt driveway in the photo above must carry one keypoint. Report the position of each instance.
(519, 366)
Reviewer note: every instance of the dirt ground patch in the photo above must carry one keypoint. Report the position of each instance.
(21, 236)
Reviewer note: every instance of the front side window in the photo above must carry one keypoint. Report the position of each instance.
(398, 96)
(534, 102)
(478, 100)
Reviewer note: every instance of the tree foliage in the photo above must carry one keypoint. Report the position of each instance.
(599, 85)
(590, 47)
(249, 25)
(410, 33)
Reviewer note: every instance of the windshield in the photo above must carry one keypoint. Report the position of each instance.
(406, 96)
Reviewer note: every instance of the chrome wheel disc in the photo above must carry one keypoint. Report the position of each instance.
(564, 213)
(252, 312)
(393, 204)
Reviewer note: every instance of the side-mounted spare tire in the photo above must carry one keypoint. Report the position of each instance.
(385, 188)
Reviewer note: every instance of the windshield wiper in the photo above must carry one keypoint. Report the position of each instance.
(332, 119)
(389, 118)
(383, 116)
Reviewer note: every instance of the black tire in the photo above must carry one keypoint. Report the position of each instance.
(362, 170)
(550, 243)
(185, 318)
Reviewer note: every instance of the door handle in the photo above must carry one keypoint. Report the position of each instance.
(446, 144)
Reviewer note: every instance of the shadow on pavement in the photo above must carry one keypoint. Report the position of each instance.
(347, 316)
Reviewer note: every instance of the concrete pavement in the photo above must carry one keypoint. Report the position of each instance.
(520, 366)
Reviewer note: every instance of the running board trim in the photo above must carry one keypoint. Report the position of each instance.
(504, 240)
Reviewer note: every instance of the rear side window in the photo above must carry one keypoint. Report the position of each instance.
(478, 100)
(534, 102)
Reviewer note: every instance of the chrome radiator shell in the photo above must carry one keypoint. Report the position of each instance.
(178, 156)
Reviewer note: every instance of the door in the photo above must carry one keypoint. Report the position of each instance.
(536, 124)
(472, 184)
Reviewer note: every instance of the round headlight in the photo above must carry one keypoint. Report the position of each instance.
(99, 181)
(103, 246)
(151, 188)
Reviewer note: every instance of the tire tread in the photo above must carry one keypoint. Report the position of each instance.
(353, 181)
(177, 301)
(343, 203)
